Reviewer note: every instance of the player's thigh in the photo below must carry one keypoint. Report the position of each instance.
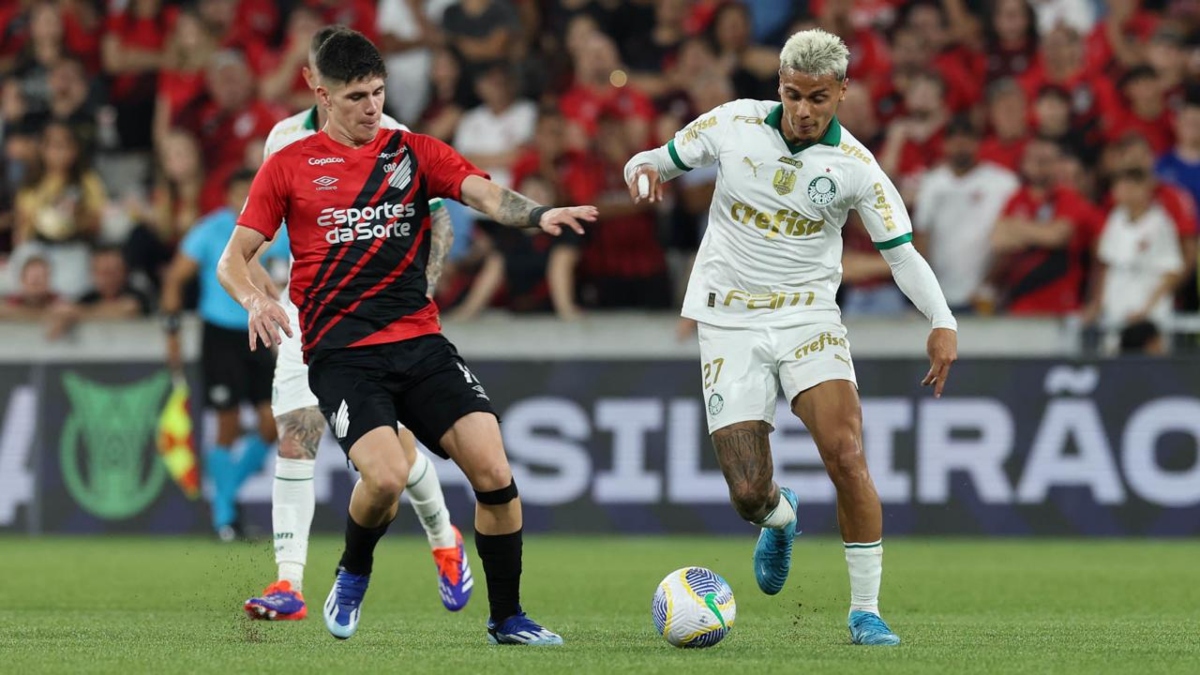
(817, 374)
(290, 390)
(220, 367)
(440, 392)
(380, 460)
(352, 393)
(738, 374)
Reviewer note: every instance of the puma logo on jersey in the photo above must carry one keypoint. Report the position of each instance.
(783, 221)
(752, 165)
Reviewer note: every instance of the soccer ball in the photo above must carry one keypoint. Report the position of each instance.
(693, 607)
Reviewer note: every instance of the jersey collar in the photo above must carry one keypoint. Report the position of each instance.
(832, 137)
(310, 121)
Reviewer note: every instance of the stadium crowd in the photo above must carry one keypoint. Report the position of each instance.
(1048, 150)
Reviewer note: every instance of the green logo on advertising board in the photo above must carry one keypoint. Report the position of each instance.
(108, 460)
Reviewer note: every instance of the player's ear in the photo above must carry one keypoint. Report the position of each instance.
(324, 97)
(845, 84)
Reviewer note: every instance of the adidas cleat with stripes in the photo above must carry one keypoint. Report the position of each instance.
(454, 574)
(868, 629)
(344, 603)
(773, 553)
(519, 629)
(278, 603)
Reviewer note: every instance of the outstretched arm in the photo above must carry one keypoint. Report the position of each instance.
(516, 210)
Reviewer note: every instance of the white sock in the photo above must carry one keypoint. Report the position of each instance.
(425, 492)
(293, 501)
(865, 562)
(780, 517)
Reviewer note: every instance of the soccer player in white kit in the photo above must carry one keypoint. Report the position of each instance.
(762, 292)
(301, 426)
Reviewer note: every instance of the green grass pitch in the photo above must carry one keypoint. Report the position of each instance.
(134, 605)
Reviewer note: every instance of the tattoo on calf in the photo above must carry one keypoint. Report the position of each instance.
(300, 433)
(745, 458)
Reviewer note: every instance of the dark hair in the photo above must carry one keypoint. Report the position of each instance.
(107, 249)
(240, 176)
(961, 125)
(321, 36)
(75, 172)
(348, 56)
(1136, 337)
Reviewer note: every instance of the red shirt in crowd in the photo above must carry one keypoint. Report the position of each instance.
(142, 33)
(223, 139)
(1005, 153)
(585, 105)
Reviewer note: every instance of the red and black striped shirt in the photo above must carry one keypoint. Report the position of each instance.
(358, 221)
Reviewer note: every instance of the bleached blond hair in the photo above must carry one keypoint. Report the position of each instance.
(816, 52)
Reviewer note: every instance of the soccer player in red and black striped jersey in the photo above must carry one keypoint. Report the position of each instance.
(355, 199)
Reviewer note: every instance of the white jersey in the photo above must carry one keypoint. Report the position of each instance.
(772, 253)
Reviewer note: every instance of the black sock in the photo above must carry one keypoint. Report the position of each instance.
(359, 553)
(501, 556)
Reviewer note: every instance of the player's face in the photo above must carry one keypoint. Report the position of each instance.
(354, 108)
(809, 103)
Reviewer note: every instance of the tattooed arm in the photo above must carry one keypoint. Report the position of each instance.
(440, 241)
(516, 210)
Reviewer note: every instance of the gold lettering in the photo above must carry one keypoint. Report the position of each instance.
(884, 207)
(783, 221)
(855, 152)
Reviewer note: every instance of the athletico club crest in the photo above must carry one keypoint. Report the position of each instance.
(785, 181)
(822, 190)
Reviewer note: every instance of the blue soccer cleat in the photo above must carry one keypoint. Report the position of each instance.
(454, 574)
(278, 603)
(773, 554)
(344, 603)
(519, 629)
(868, 629)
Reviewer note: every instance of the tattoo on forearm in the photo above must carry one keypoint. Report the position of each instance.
(745, 458)
(300, 433)
(514, 209)
(440, 240)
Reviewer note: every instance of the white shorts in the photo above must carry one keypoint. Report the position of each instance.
(290, 390)
(743, 369)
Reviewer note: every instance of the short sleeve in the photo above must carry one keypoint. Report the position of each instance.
(1167, 257)
(280, 248)
(1108, 249)
(882, 210)
(193, 244)
(441, 168)
(699, 143)
(267, 205)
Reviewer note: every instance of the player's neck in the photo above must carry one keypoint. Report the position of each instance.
(343, 137)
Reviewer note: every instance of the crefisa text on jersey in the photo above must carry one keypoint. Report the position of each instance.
(370, 222)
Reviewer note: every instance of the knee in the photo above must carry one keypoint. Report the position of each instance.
(386, 482)
(847, 465)
(491, 477)
(750, 501)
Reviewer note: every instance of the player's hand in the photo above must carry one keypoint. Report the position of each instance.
(652, 184)
(266, 318)
(943, 351)
(554, 220)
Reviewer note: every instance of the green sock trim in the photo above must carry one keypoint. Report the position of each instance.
(292, 480)
(414, 482)
(873, 545)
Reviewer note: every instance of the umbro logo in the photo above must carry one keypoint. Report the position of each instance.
(326, 182)
(340, 421)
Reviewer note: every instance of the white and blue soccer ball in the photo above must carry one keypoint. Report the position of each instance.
(693, 607)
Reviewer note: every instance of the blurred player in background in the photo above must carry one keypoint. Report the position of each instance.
(232, 373)
(301, 424)
(371, 334)
(762, 291)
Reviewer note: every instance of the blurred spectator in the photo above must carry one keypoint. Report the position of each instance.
(1139, 256)
(1062, 63)
(70, 102)
(407, 30)
(868, 49)
(651, 55)
(857, 113)
(280, 76)
(1166, 55)
(133, 53)
(1040, 238)
(1142, 110)
(536, 271)
(868, 289)
(491, 136)
(481, 32)
(955, 210)
(1078, 15)
(39, 54)
(1008, 121)
(361, 15)
(1142, 338)
(1052, 119)
(754, 69)
(59, 207)
(914, 142)
(240, 24)
(1118, 41)
(224, 121)
(110, 295)
(447, 96)
(1181, 164)
(178, 182)
(35, 296)
(601, 88)
(181, 79)
(1010, 40)
(623, 263)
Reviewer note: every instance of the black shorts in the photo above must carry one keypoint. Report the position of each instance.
(422, 383)
(232, 373)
